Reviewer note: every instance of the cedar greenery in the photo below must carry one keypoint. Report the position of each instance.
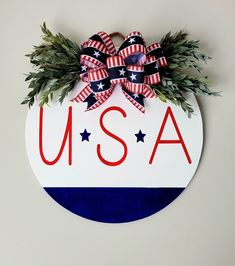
(57, 63)
(182, 54)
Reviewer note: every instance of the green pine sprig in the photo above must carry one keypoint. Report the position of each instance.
(182, 54)
(57, 64)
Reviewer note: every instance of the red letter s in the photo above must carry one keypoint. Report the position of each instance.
(122, 159)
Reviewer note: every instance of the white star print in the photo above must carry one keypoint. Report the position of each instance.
(133, 76)
(136, 95)
(131, 40)
(122, 72)
(100, 86)
(156, 65)
(84, 68)
(96, 54)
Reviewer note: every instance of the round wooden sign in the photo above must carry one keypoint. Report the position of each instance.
(114, 164)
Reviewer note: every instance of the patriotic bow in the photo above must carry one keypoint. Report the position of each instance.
(133, 66)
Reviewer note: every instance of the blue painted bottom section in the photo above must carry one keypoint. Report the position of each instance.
(113, 205)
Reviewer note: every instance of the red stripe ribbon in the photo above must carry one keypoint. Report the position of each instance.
(134, 66)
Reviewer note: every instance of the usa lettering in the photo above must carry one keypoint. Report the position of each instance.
(67, 138)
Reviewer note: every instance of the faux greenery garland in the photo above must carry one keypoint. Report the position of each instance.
(57, 69)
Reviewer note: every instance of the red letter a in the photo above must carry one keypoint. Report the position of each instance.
(67, 134)
(177, 141)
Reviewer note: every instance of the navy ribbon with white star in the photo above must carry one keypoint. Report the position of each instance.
(134, 66)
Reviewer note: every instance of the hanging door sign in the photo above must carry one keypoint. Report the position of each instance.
(114, 164)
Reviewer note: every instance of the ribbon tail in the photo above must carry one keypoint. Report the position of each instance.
(83, 94)
(100, 98)
(87, 95)
(93, 105)
(136, 99)
(148, 92)
(98, 101)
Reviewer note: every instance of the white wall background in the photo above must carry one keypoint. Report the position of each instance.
(198, 228)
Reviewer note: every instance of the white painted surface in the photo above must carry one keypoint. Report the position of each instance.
(170, 167)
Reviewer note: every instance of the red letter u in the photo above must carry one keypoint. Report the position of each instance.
(67, 135)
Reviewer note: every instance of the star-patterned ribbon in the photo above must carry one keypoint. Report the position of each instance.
(134, 66)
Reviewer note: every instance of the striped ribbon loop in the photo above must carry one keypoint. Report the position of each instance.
(151, 70)
(117, 69)
(133, 49)
(134, 65)
(156, 50)
(135, 77)
(94, 54)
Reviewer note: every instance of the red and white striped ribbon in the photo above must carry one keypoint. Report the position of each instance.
(97, 70)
